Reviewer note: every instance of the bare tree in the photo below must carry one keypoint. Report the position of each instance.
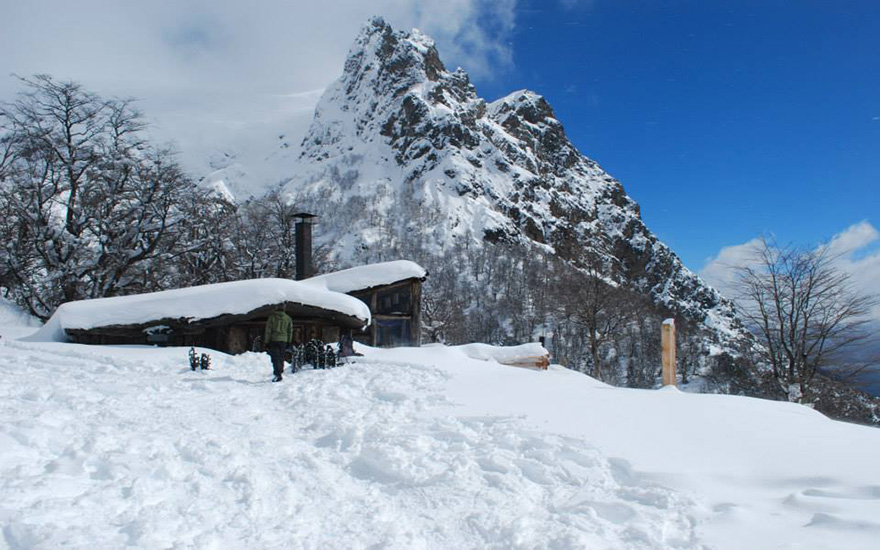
(640, 344)
(804, 310)
(597, 305)
(691, 344)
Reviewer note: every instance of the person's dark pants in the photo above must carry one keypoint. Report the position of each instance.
(276, 352)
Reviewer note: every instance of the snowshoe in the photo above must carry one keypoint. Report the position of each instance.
(193, 359)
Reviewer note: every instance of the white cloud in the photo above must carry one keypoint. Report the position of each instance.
(720, 271)
(854, 250)
(229, 74)
(856, 253)
(848, 243)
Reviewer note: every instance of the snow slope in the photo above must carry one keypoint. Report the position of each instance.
(110, 447)
(14, 322)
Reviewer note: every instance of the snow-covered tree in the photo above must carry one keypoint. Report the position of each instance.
(89, 203)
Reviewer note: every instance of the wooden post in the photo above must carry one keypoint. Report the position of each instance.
(667, 340)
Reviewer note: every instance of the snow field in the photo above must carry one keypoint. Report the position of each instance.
(111, 447)
(126, 447)
(764, 474)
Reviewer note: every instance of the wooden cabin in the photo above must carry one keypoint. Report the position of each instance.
(227, 333)
(376, 304)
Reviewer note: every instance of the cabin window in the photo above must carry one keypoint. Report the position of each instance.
(394, 301)
(158, 334)
(393, 332)
(158, 338)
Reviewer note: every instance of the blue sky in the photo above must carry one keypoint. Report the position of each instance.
(722, 119)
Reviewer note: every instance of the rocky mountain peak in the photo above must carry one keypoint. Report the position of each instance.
(398, 140)
(529, 118)
(395, 89)
(528, 105)
(392, 81)
(388, 60)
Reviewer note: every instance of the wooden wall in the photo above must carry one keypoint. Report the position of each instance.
(393, 324)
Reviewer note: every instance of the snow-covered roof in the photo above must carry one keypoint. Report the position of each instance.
(200, 302)
(369, 276)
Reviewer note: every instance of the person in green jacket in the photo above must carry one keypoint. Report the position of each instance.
(278, 335)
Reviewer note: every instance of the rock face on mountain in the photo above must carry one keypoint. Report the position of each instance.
(402, 153)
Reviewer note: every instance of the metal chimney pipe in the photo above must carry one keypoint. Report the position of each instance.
(304, 267)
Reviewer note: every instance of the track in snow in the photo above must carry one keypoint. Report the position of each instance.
(107, 448)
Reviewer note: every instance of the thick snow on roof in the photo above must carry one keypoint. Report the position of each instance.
(196, 303)
(368, 276)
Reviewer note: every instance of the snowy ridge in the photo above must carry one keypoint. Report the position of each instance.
(411, 157)
(223, 181)
(195, 303)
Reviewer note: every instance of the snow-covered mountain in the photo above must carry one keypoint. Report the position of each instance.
(410, 157)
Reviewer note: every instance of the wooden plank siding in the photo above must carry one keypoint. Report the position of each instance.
(411, 315)
(226, 333)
